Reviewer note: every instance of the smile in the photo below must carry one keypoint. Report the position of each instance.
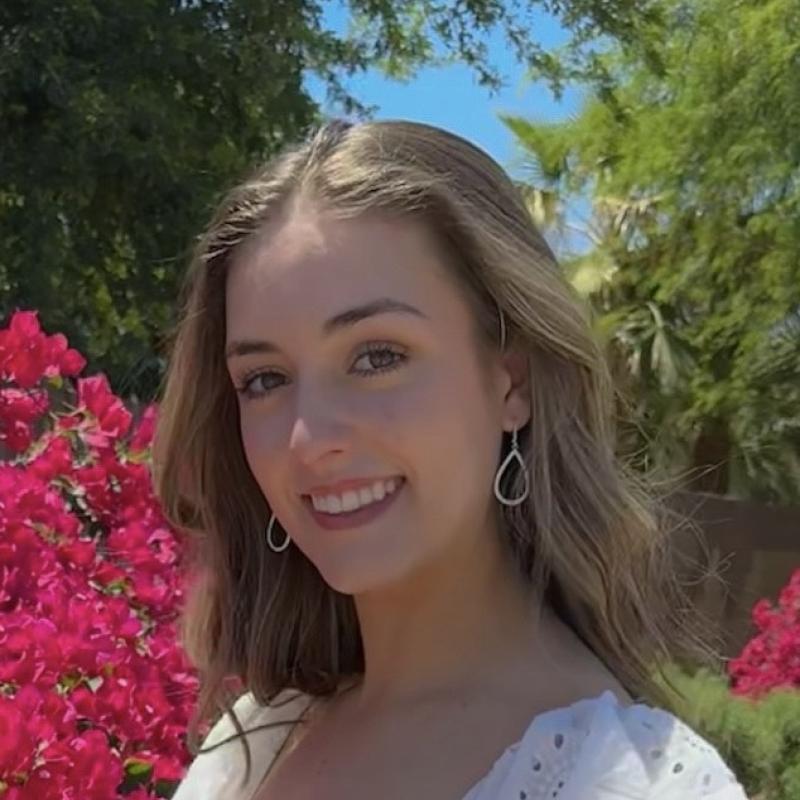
(337, 516)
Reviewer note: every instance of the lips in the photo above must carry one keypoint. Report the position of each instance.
(352, 519)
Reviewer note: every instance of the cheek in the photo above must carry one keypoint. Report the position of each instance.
(459, 426)
(447, 418)
(411, 418)
(261, 444)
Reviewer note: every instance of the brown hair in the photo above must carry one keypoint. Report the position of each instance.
(593, 538)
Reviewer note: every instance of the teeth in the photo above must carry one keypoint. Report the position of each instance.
(351, 500)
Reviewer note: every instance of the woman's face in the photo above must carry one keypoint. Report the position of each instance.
(344, 392)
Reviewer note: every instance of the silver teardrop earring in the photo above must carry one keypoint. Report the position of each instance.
(514, 453)
(280, 547)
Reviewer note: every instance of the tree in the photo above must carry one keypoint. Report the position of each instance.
(122, 122)
(694, 172)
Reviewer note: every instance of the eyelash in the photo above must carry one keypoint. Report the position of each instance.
(374, 347)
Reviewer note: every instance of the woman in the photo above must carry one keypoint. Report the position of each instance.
(389, 426)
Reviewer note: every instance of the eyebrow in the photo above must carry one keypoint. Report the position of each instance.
(344, 319)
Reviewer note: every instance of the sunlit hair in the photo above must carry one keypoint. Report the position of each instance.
(594, 540)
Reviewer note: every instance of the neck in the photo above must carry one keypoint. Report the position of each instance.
(452, 625)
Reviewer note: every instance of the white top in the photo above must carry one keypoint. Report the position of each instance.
(594, 749)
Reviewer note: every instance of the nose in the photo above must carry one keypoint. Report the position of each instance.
(318, 433)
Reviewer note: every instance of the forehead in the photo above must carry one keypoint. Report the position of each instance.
(315, 261)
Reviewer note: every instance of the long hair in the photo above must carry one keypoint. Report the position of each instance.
(593, 538)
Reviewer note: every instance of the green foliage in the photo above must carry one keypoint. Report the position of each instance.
(758, 739)
(122, 122)
(689, 151)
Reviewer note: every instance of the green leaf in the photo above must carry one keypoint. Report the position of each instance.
(137, 768)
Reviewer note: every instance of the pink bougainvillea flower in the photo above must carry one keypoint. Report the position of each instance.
(143, 436)
(771, 659)
(95, 692)
(95, 394)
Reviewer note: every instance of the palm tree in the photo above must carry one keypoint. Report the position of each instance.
(749, 453)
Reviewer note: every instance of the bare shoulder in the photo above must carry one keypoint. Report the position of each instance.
(570, 670)
(604, 681)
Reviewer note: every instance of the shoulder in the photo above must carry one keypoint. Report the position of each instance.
(598, 747)
(219, 773)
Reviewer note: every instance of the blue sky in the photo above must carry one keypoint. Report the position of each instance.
(450, 97)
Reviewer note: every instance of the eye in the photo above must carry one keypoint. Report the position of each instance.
(378, 356)
(386, 357)
(245, 385)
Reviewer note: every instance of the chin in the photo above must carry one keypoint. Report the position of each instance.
(348, 581)
(352, 578)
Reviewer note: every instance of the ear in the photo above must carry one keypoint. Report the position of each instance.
(516, 386)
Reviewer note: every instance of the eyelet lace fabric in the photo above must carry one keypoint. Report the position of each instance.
(595, 749)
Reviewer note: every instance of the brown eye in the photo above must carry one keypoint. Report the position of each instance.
(251, 380)
(382, 358)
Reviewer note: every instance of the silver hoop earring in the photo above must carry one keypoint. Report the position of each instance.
(513, 454)
(272, 546)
